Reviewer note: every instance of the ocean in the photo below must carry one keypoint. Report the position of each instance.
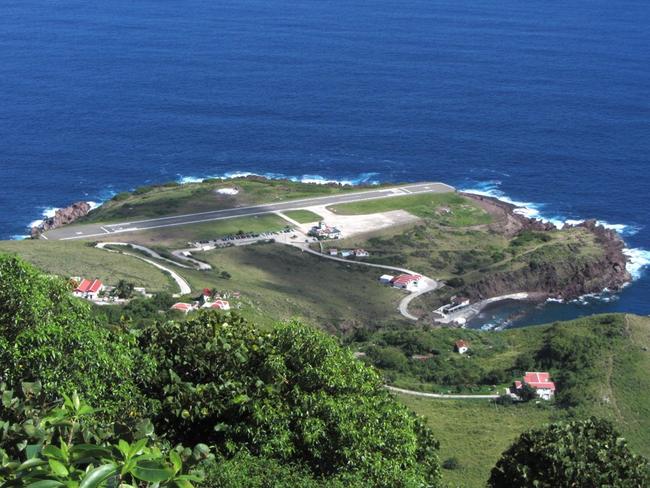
(543, 103)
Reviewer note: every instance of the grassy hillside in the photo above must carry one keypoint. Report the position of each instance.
(475, 433)
(600, 365)
(80, 259)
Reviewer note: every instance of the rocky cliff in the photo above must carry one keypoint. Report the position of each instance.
(566, 274)
(63, 216)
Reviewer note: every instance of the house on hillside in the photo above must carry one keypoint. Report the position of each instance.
(346, 253)
(220, 305)
(540, 382)
(88, 289)
(361, 253)
(182, 307)
(333, 251)
(409, 282)
(461, 347)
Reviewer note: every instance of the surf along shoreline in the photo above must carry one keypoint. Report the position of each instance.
(509, 219)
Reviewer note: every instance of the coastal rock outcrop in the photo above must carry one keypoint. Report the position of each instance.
(62, 216)
(568, 276)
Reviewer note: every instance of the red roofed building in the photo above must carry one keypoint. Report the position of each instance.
(182, 307)
(220, 305)
(540, 382)
(88, 289)
(406, 281)
(461, 347)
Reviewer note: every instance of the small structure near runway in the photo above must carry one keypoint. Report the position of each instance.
(324, 231)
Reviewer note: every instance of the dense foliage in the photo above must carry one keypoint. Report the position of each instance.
(290, 402)
(47, 335)
(52, 447)
(580, 454)
(293, 395)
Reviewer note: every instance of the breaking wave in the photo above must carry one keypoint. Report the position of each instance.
(363, 178)
(638, 259)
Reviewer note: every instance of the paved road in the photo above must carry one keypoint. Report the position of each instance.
(99, 230)
(439, 395)
(427, 284)
(183, 285)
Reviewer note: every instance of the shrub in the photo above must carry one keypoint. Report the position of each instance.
(293, 395)
(49, 336)
(580, 454)
(451, 463)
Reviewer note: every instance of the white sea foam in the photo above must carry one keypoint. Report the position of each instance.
(638, 260)
(367, 178)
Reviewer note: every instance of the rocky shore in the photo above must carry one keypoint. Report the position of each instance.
(62, 216)
(565, 278)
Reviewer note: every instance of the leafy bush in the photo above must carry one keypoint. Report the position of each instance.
(580, 454)
(49, 336)
(58, 447)
(293, 395)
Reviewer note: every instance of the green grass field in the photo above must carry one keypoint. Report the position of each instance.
(448, 209)
(175, 199)
(79, 259)
(278, 282)
(303, 216)
(177, 237)
(475, 432)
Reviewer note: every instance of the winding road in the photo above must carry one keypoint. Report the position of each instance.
(183, 285)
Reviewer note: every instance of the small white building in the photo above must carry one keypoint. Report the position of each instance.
(361, 253)
(386, 279)
(461, 347)
(333, 251)
(346, 253)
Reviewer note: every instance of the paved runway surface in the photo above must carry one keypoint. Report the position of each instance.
(99, 230)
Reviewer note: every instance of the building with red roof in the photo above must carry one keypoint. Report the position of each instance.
(540, 382)
(406, 281)
(220, 305)
(461, 347)
(182, 307)
(88, 289)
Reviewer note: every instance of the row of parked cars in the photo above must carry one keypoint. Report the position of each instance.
(231, 239)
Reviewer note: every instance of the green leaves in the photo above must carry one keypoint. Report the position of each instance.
(580, 454)
(98, 475)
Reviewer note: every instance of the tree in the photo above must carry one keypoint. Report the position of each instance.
(49, 336)
(293, 395)
(124, 290)
(580, 454)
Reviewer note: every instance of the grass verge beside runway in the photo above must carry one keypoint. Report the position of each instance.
(449, 209)
(81, 259)
(303, 216)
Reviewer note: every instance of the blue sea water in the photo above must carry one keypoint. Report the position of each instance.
(541, 102)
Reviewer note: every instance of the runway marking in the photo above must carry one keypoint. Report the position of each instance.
(262, 209)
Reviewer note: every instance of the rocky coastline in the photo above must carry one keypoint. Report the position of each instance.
(61, 217)
(565, 279)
